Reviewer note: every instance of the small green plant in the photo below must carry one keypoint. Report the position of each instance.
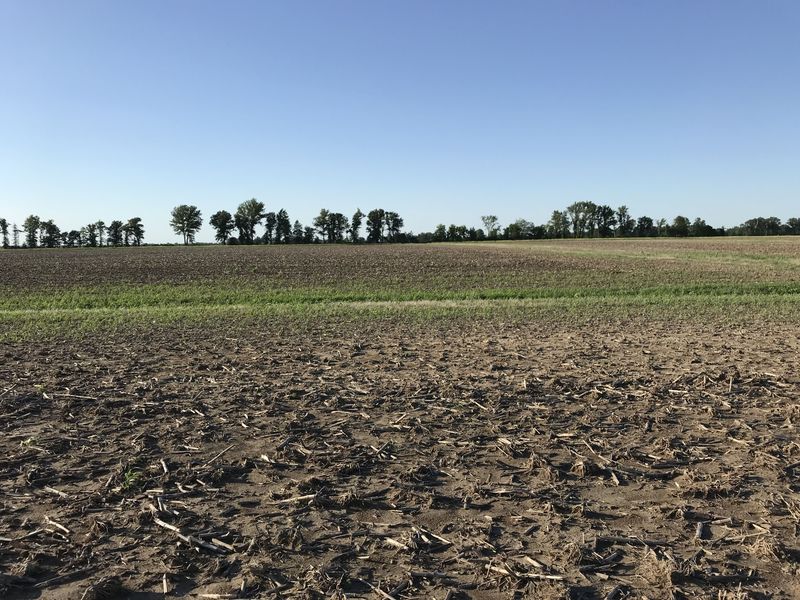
(130, 478)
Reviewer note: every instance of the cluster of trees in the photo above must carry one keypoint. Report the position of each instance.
(37, 232)
(767, 226)
(590, 220)
(578, 220)
(328, 227)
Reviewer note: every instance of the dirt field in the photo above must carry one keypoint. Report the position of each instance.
(559, 263)
(394, 458)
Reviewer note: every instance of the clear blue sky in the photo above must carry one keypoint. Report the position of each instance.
(442, 111)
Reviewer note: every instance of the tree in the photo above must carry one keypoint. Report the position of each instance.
(309, 235)
(492, 225)
(793, 226)
(15, 231)
(297, 232)
(645, 227)
(661, 227)
(625, 222)
(249, 214)
(752, 227)
(440, 233)
(582, 216)
(270, 220)
(519, 230)
(761, 226)
(74, 239)
(101, 231)
(700, 228)
(51, 236)
(186, 221)
(321, 224)
(283, 227)
(338, 225)
(375, 225)
(604, 220)
(680, 226)
(576, 218)
(331, 226)
(222, 222)
(394, 223)
(133, 231)
(558, 225)
(89, 235)
(115, 233)
(355, 225)
(31, 229)
(457, 233)
(773, 226)
(4, 232)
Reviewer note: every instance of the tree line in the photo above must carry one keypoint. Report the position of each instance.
(36, 232)
(578, 220)
(251, 223)
(590, 220)
(328, 227)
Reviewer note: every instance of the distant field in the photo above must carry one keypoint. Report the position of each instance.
(86, 287)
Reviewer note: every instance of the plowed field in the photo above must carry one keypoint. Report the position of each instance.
(558, 420)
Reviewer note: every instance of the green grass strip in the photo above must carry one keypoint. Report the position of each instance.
(199, 296)
(17, 326)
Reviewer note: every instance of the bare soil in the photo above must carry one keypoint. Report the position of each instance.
(385, 460)
(570, 263)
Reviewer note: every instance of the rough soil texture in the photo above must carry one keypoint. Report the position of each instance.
(379, 460)
(570, 263)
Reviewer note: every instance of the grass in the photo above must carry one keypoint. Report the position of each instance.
(200, 296)
(20, 326)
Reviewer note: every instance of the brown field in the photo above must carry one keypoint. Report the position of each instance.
(565, 263)
(542, 447)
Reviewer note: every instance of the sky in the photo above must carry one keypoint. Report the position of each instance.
(440, 110)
